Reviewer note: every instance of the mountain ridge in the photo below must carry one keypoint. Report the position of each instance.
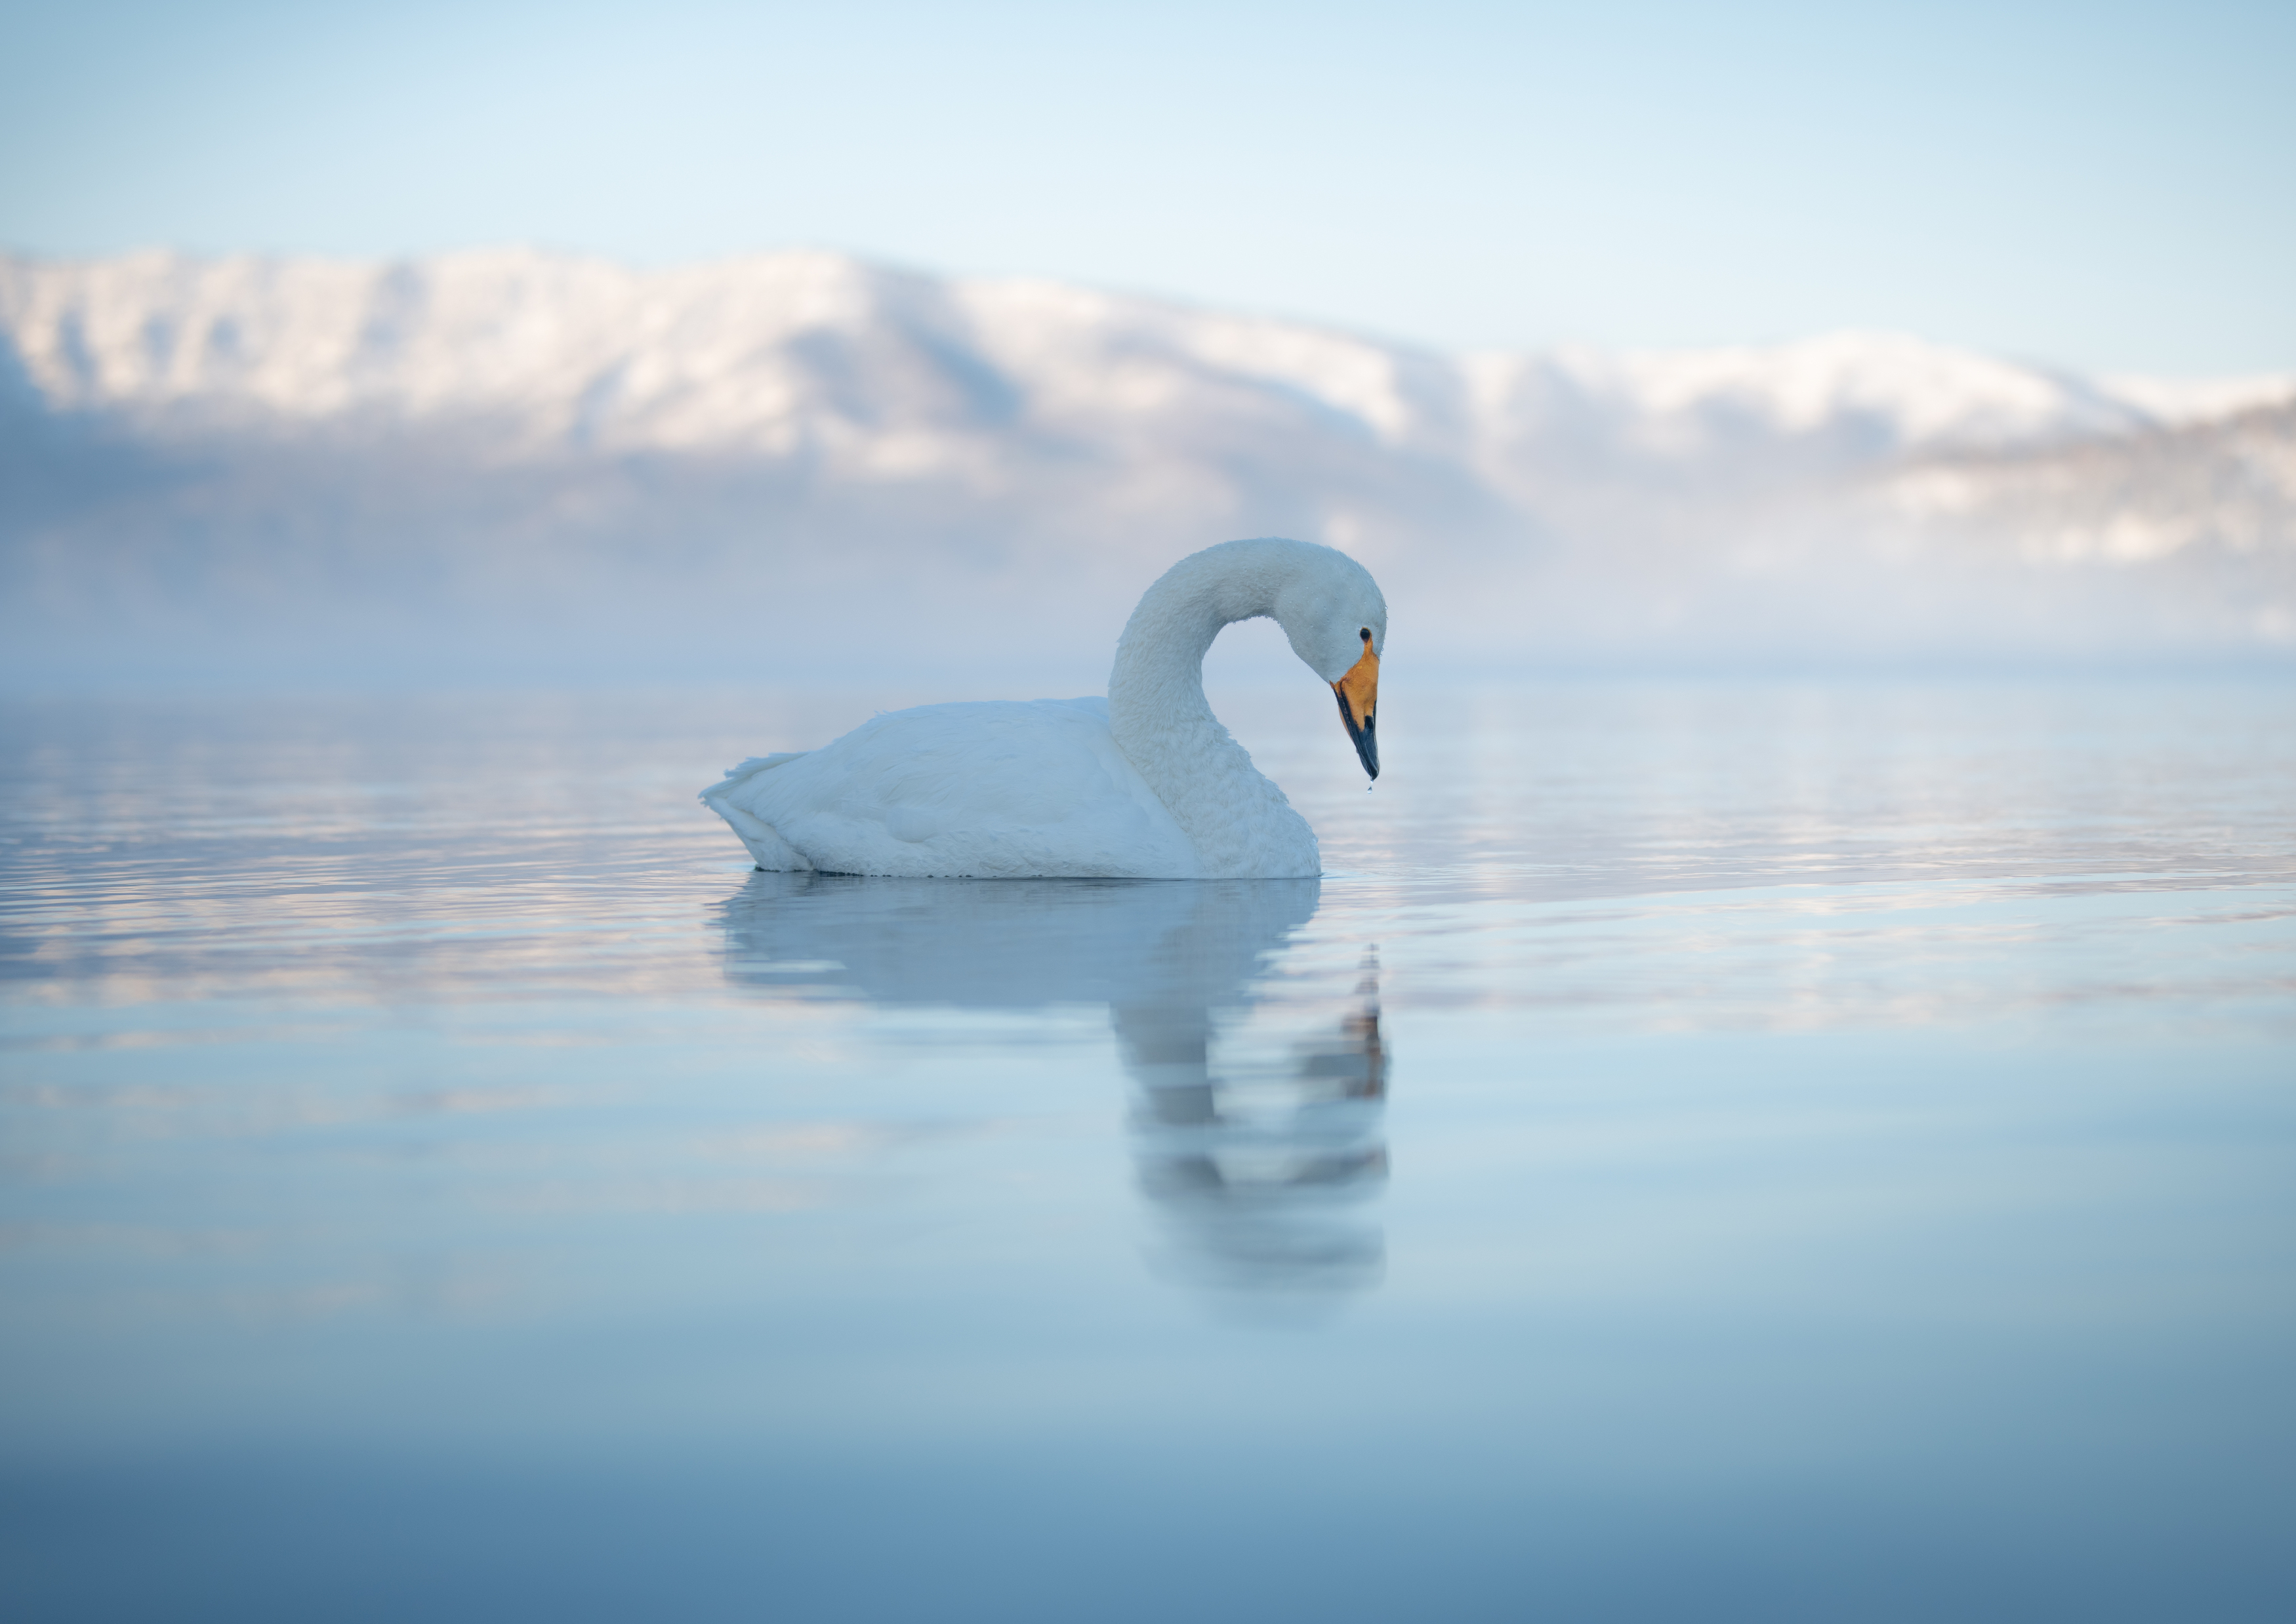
(556, 334)
(504, 451)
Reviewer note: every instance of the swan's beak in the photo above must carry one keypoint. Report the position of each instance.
(1358, 692)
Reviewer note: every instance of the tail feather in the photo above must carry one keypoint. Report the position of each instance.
(765, 846)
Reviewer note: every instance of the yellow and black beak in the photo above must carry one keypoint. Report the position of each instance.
(1358, 692)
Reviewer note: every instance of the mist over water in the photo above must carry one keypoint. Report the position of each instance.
(519, 468)
(1749, 1150)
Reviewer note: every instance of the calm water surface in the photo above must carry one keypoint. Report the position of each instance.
(1759, 1152)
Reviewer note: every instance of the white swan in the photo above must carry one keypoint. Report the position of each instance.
(1144, 784)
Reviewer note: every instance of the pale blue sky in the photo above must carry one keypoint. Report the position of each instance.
(2109, 187)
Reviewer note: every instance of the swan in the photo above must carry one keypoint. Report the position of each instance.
(1144, 785)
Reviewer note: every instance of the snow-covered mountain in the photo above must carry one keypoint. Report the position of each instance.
(504, 461)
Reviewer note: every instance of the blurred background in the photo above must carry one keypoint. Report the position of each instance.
(497, 343)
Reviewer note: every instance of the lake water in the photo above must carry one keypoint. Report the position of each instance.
(1756, 1151)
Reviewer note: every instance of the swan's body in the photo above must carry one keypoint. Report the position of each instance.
(1146, 783)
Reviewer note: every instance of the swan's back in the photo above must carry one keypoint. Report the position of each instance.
(992, 790)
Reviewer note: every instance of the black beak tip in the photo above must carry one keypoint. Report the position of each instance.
(1365, 738)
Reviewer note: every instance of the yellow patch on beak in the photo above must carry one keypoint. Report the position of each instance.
(1358, 692)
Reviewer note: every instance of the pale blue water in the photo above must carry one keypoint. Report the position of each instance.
(1736, 1153)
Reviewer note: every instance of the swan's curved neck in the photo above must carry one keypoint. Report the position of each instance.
(1157, 688)
(1156, 706)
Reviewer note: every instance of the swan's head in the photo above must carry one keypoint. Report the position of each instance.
(1337, 621)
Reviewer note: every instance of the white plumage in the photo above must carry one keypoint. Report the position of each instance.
(1146, 783)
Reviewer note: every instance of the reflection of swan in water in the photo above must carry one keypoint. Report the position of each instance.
(1253, 1165)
